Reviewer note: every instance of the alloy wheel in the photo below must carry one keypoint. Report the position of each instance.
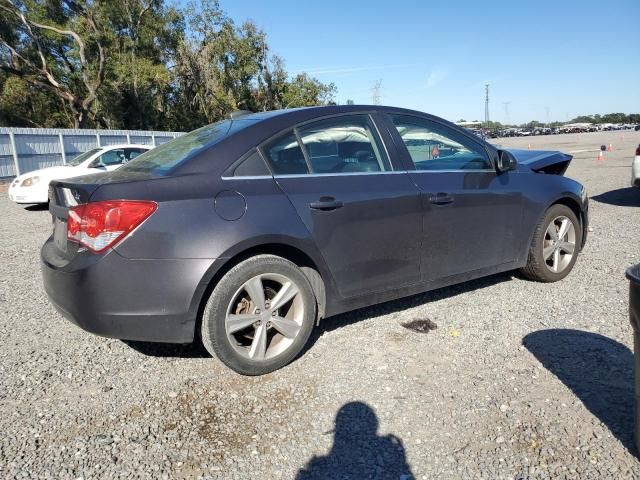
(265, 316)
(559, 244)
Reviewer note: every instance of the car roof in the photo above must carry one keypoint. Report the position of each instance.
(124, 145)
(323, 110)
(262, 126)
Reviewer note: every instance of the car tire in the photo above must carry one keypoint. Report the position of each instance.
(244, 330)
(543, 263)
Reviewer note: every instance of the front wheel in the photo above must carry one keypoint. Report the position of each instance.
(555, 245)
(259, 316)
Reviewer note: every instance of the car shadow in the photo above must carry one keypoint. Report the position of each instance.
(393, 306)
(38, 207)
(358, 451)
(197, 350)
(621, 197)
(597, 369)
(169, 350)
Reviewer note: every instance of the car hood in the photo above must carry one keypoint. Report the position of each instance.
(54, 173)
(541, 161)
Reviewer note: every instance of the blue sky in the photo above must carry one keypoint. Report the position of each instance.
(570, 57)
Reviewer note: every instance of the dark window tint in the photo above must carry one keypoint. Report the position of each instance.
(251, 166)
(161, 160)
(343, 145)
(131, 153)
(112, 157)
(285, 156)
(435, 147)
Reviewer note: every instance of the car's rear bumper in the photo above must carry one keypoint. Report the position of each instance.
(112, 296)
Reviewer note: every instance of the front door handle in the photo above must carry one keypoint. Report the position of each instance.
(326, 204)
(440, 199)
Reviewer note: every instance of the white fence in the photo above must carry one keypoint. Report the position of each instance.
(25, 149)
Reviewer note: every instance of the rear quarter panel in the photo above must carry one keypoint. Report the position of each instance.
(187, 225)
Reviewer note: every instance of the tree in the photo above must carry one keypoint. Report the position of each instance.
(23, 104)
(144, 35)
(58, 46)
(138, 64)
(304, 91)
(216, 67)
(221, 67)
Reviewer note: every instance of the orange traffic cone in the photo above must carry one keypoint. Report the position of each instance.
(610, 149)
(529, 146)
(600, 156)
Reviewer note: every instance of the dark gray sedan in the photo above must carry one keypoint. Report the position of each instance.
(247, 232)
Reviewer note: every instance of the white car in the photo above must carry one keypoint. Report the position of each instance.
(635, 169)
(33, 187)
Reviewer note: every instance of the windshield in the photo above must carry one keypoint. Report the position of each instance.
(162, 159)
(82, 157)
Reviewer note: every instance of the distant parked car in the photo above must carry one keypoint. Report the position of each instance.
(637, 128)
(33, 187)
(635, 169)
(247, 232)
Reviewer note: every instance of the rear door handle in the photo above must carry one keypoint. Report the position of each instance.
(441, 199)
(326, 204)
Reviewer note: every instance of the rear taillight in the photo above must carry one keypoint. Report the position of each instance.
(100, 225)
(638, 150)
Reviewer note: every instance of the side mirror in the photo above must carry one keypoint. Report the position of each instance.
(505, 161)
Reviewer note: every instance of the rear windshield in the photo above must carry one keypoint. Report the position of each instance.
(161, 160)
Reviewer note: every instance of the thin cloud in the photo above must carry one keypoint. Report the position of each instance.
(320, 71)
(436, 76)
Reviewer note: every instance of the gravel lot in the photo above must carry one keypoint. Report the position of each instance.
(519, 380)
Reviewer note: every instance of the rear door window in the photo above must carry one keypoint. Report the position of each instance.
(345, 144)
(131, 153)
(112, 157)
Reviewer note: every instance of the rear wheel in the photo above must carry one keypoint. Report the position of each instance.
(555, 245)
(259, 316)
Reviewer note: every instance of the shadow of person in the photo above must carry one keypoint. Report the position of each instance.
(358, 452)
(597, 369)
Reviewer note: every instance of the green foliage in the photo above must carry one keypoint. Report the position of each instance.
(138, 64)
(632, 118)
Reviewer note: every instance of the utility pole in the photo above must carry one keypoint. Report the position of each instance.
(486, 105)
(506, 112)
(547, 109)
(375, 92)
